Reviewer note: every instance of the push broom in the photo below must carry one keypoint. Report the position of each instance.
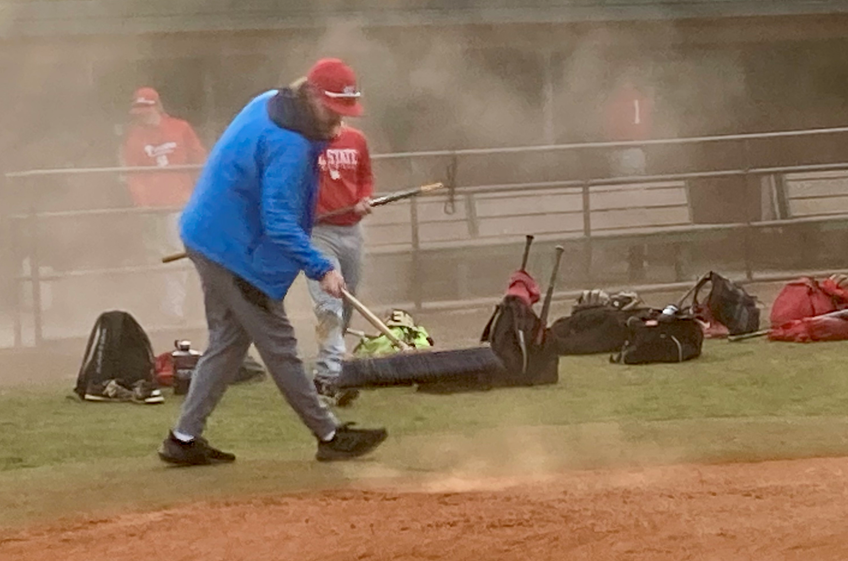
(411, 366)
(379, 201)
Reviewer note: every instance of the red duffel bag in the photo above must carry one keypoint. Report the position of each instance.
(806, 298)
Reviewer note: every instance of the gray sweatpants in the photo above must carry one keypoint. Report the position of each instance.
(343, 246)
(234, 323)
(162, 235)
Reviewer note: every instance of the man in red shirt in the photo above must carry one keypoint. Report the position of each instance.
(629, 115)
(156, 139)
(345, 181)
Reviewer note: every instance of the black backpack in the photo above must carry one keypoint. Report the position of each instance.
(513, 333)
(118, 349)
(658, 337)
(729, 304)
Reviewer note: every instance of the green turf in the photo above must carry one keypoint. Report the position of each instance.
(740, 401)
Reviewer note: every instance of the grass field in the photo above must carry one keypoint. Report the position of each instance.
(740, 402)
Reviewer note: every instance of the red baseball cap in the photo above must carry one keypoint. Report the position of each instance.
(336, 84)
(144, 99)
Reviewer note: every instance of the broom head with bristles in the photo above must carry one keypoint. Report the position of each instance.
(420, 367)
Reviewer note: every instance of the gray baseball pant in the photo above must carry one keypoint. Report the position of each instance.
(342, 245)
(234, 323)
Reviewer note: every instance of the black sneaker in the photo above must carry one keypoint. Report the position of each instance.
(194, 453)
(107, 391)
(329, 394)
(349, 443)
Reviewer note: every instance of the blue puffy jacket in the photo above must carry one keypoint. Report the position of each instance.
(253, 206)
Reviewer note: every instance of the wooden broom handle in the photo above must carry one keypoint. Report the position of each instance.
(379, 201)
(374, 320)
(174, 257)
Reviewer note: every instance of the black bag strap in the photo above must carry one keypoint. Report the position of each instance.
(679, 348)
(487, 331)
(141, 334)
(115, 340)
(520, 336)
(86, 357)
(697, 289)
(522, 344)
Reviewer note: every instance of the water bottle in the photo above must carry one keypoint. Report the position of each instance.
(670, 310)
(185, 360)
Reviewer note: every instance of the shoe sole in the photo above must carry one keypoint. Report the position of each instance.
(183, 463)
(331, 456)
(105, 399)
(150, 400)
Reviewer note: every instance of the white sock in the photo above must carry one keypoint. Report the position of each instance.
(182, 437)
(329, 437)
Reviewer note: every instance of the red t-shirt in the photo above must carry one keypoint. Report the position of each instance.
(345, 176)
(172, 143)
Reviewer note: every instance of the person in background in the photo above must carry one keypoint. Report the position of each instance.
(247, 229)
(156, 139)
(346, 181)
(629, 116)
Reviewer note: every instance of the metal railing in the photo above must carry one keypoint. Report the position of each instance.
(26, 244)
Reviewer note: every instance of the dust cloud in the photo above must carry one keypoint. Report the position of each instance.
(426, 87)
(517, 454)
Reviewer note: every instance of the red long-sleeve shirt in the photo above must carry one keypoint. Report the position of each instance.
(345, 176)
(172, 143)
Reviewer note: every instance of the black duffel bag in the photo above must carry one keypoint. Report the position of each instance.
(669, 336)
(590, 331)
(597, 323)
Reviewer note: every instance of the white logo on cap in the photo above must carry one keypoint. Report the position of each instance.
(347, 91)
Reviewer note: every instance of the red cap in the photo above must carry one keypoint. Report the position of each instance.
(144, 99)
(336, 84)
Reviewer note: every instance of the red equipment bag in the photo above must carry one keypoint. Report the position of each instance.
(806, 298)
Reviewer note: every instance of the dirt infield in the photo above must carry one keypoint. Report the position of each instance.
(774, 510)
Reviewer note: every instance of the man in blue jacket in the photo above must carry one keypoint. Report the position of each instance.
(247, 229)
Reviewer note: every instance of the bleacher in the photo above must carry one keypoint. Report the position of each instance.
(470, 252)
(813, 207)
(819, 194)
(461, 255)
(484, 217)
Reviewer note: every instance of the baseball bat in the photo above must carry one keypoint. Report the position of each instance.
(546, 307)
(764, 332)
(752, 335)
(374, 320)
(385, 199)
(526, 255)
(356, 333)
